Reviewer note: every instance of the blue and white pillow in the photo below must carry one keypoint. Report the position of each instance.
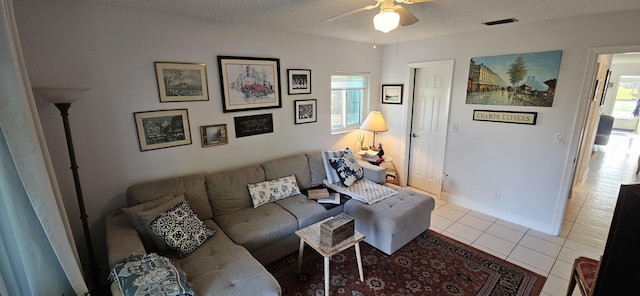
(347, 168)
(273, 190)
(150, 275)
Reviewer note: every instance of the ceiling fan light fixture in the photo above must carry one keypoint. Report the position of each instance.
(385, 21)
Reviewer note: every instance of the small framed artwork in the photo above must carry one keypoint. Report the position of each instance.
(214, 135)
(392, 93)
(249, 83)
(305, 111)
(162, 128)
(180, 82)
(299, 81)
(253, 125)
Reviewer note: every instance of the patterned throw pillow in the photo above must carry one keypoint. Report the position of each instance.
(327, 155)
(270, 191)
(347, 167)
(181, 229)
(150, 275)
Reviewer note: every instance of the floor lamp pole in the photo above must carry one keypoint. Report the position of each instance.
(64, 112)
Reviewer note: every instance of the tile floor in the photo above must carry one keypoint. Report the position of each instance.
(584, 231)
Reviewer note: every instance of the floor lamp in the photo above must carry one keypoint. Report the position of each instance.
(62, 99)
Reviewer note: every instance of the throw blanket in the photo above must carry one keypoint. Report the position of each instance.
(150, 275)
(363, 190)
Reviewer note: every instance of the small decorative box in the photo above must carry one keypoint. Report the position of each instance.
(336, 230)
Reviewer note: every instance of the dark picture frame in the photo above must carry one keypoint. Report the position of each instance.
(305, 111)
(299, 81)
(517, 117)
(162, 128)
(214, 135)
(249, 83)
(392, 93)
(181, 82)
(605, 87)
(253, 125)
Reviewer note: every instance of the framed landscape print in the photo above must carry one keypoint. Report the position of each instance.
(162, 128)
(179, 82)
(392, 93)
(305, 111)
(523, 79)
(214, 135)
(249, 83)
(299, 81)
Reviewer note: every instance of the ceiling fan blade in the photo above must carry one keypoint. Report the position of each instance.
(406, 17)
(368, 7)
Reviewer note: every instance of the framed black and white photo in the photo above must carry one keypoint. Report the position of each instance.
(392, 93)
(299, 81)
(214, 135)
(305, 111)
(180, 82)
(249, 83)
(162, 128)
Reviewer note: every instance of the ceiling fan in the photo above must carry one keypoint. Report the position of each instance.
(390, 16)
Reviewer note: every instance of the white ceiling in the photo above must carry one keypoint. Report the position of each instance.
(437, 18)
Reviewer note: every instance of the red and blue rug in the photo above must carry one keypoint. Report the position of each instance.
(431, 264)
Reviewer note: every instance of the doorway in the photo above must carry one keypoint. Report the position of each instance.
(431, 89)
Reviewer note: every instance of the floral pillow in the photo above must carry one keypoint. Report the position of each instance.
(270, 191)
(150, 275)
(181, 229)
(347, 167)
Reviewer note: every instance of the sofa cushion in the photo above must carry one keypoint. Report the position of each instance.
(181, 229)
(148, 216)
(150, 275)
(132, 215)
(192, 186)
(317, 168)
(305, 210)
(228, 189)
(220, 267)
(347, 168)
(295, 164)
(273, 190)
(252, 228)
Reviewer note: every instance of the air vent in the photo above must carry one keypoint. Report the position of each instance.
(500, 22)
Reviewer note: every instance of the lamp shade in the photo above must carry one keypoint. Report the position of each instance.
(60, 95)
(386, 21)
(374, 122)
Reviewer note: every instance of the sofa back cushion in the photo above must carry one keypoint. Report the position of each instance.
(228, 189)
(316, 167)
(297, 165)
(192, 187)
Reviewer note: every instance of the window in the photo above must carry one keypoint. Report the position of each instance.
(349, 99)
(627, 97)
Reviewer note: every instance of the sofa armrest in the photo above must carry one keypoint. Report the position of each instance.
(373, 172)
(122, 239)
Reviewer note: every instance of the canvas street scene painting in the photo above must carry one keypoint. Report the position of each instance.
(527, 79)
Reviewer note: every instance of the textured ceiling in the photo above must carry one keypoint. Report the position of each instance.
(437, 18)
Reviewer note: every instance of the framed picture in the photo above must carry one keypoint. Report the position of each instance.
(299, 81)
(162, 128)
(180, 82)
(253, 125)
(214, 135)
(305, 111)
(506, 116)
(392, 93)
(249, 83)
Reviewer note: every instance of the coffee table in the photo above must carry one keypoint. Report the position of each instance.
(311, 236)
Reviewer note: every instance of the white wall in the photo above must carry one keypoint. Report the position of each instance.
(521, 162)
(112, 51)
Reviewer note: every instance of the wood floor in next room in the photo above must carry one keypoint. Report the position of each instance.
(584, 230)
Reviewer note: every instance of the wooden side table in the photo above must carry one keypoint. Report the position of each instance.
(311, 235)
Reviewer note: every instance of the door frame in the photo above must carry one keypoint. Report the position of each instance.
(410, 89)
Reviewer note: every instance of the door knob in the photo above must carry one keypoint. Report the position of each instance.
(413, 135)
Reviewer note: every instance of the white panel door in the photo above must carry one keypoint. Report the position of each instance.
(432, 92)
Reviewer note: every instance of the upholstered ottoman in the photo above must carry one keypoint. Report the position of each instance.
(393, 222)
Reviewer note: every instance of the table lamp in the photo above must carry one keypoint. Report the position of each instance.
(374, 123)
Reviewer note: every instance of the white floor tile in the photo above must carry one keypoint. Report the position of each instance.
(533, 258)
(475, 222)
(440, 222)
(541, 245)
(468, 233)
(504, 232)
(449, 213)
(499, 245)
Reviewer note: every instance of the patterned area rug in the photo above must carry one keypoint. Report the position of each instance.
(431, 264)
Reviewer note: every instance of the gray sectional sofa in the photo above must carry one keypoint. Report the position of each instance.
(232, 261)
